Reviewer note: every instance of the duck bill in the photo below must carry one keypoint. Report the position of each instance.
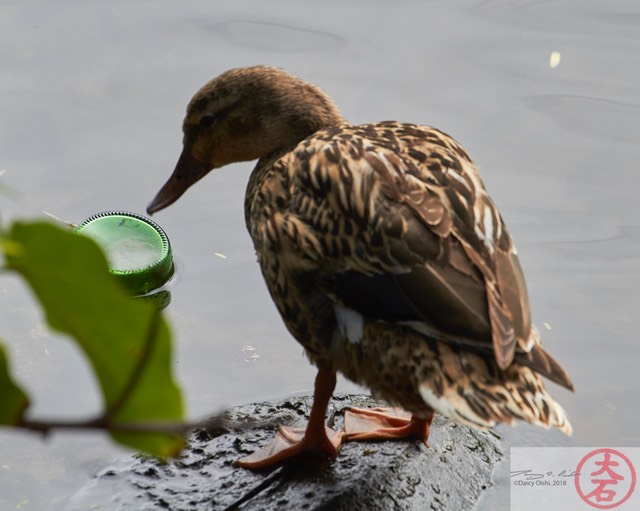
(188, 170)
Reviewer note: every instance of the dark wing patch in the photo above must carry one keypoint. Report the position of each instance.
(378, 297)
(449, 301)
(438, 299)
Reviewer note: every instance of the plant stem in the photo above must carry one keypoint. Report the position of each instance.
(138, 370)
(103, 423)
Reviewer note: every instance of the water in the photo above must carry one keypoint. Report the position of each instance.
(543, 94)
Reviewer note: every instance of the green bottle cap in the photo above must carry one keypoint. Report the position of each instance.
(137, 249)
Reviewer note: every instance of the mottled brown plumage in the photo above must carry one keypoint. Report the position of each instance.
(381, 249)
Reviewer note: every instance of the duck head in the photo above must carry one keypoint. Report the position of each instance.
(244, 114)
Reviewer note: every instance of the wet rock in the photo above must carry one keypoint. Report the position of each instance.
(451, 474)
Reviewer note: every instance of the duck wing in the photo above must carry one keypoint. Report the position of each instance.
(414, 237)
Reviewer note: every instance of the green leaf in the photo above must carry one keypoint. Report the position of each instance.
(69, 275)
(14, 401)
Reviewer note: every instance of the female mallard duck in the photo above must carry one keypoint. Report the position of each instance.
(384, 255)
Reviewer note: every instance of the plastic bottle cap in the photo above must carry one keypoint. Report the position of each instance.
(137, 249)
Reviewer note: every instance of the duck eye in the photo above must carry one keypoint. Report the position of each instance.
(206, 120)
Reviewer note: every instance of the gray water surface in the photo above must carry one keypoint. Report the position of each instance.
(544, 95)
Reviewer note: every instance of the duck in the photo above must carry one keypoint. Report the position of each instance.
(385, 257)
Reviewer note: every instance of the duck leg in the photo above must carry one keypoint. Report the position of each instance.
(385, 424)
(317, 439)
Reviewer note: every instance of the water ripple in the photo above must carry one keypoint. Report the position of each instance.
(593, 18)
(271, 36)
(601, 117)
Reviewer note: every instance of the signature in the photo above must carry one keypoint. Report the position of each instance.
(550, 478)
(530, 475)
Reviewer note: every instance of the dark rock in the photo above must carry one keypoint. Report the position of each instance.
(451, 474)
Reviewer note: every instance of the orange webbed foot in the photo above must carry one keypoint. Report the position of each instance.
(292, 443)
(385, 424)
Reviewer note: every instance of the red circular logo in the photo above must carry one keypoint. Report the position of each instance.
(605, 478)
